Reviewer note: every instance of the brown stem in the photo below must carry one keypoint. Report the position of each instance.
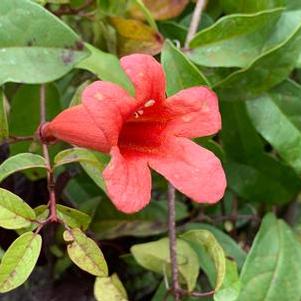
(67, 10)
(14, 139)
(195, 21)
(50, 177)
(173, 242)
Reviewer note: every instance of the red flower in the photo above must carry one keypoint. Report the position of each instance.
(146, 131)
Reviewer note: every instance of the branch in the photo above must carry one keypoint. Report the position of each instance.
(50, 178)
(14, 139)
(173, 242)
(67, 10)
(195, 21)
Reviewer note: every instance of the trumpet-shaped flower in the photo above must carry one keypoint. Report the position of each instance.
(146, 131)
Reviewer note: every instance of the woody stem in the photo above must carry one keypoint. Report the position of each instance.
(173, 242)
(195, 21)
(50, 176)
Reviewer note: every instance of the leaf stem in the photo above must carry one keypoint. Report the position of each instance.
(195, 21)
(173, 242)
(50, 177)
(14, 139)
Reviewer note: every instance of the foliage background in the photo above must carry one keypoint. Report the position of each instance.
(249, 52)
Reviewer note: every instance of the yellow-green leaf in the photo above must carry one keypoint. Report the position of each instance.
(85, 253)
(72, 217)
(155, 256)
(109, 289)
(19, 260)
(207, 240)
(92, 162)
(14, 212)
(21, 162)
(134, 36)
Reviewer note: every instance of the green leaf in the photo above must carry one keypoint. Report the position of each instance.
(276, 116)
(85, 253)
(76, 99)
(154, 256)
(252, 173)
(73, 218)
(250, 6)
(270, 271)
(19, 260)
(264, 72)
(230, 247)
(109, 223)
(92, 162)
(230, 288)
(35, 55)
(233, 41)
(24, 116)
(14, 212)
(173, 31)
(180, 72)
(109, 289)
(3, 118)
(206, 240)
(20, 162)
(107, 67)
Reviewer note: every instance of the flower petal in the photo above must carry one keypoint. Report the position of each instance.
(75, 126)
(147, 76)
(109, 106)
(193, 170)
(193, 112)
(128, 181)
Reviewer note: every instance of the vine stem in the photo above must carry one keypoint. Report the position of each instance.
(195, 21)
(173, 242)
(50, 177)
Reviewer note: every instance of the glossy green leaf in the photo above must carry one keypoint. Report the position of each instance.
(107, 67)
(180, 72)
(233, 41)
(276, 116)
(85, 253)
(109, 223)
(20, 162)
(19, 260)
(154, 256)
(229, 245)
(109, 289)
(230, 288)
(73, 218)
(207, 240)
(35, 55)
(3, 118)
(93, 163)
(14, 212)
(250, 6)
(264, 72)
(271, 271)
(252, 173)
(173, 31)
